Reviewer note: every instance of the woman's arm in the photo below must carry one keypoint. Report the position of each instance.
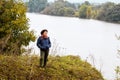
(39, 44)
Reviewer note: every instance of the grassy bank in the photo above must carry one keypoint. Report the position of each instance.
(58, 68)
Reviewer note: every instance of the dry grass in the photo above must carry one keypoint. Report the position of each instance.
(58, 68)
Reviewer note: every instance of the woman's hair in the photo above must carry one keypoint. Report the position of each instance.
(45, 30)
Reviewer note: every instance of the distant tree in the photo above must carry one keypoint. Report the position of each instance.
(94, 14)
(113, 14)
(60, 8)
(104, 9)
(68, 11)
(36, 5)
(89, 12)
(68, 4)
(76, 14)
(14, 30)
(83, 11)
(86, 3)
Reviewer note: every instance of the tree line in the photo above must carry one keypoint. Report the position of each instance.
(108, 11)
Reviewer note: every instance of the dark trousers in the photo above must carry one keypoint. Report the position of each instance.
(43, 57)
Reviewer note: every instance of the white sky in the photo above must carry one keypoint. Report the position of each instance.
(93, 1)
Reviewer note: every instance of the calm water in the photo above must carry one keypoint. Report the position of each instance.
(82, 37)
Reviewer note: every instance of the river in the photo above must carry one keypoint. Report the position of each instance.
(90, 39)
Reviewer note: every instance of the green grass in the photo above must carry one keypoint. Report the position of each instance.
(58, 68)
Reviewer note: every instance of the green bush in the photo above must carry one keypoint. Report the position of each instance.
(14, 27)
(58, 68)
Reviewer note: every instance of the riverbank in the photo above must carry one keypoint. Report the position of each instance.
(62, 68)
(74, 17)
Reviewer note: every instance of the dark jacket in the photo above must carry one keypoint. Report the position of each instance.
(44, 43)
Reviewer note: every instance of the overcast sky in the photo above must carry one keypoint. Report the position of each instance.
(93, 1)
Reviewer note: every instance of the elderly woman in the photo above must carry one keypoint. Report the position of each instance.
(44, 44)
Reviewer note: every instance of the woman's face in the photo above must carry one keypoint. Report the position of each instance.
(45, 33)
